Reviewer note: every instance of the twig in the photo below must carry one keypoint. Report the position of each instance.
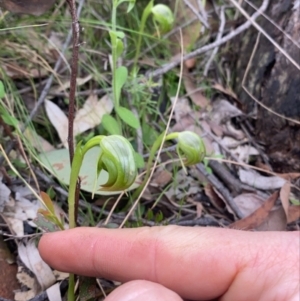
(194, 10)
(221, 189)
(202, 10)
(232, 34)
(74, 71)
(225, 175)
(219, 36)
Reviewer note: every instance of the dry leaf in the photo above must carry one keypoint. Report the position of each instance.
(223, 111)
(79, 82)
(20, 209)
(27, 281)
(276, 221)
(214, 197)
(53, 292)
(227, 91)
(59, 120)
(289, 176)
(4, 194)
(38, 142)
(257, 217)
(32, 7)
(90, 115)
(195, 94)
(31, 258)
(254, 179)
(285, 197)
(161, 177)
(248, 202)
(294, 213)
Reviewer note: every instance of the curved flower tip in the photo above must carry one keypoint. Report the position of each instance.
(164, 16)
(191, 147)
(117, 158)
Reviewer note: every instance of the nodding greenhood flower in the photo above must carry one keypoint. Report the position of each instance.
(191, 147)
(117, 158)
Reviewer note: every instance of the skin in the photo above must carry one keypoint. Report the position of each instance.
(176, 263)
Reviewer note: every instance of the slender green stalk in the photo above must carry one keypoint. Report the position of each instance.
(114, 53)
(71, 295)
(75, 168)
(145, 16)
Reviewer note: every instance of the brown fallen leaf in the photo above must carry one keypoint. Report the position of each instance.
(276, 221)
(195, 94)
(255, 219)
(226, 91)
(289, 176)
(161, 178)
(248, 202)
(285, 197)
(215, 199)
(294, 213)
(31, 7)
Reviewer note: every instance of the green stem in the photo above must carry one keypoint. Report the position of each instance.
(71, 295)
(75, 168)
(145, 16)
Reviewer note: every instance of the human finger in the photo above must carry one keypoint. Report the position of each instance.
(197, 263)
(138, 290)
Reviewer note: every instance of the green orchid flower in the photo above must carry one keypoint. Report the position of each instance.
(191, 147)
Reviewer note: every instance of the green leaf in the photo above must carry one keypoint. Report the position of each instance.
(121, 77)
(58, 163)
(147, 11)
(149, 134)
(128, 117)
(130, 5)
(139, 160)
(8, 119)
(163, 15)
(119, 47)
(111, 125)
(44, 223)
(2, 90)
(116, 41)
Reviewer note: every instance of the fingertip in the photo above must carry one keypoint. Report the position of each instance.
(142, 290)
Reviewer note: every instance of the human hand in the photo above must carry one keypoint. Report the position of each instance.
(174, 263)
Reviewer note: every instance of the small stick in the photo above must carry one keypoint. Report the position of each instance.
(74, 71)
(73, 84)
